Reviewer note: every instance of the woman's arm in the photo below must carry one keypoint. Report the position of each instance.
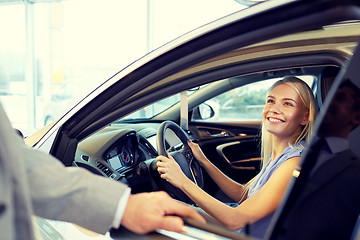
(263, 202)
(258, 206)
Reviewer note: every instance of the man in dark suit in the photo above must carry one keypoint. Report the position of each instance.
(328, 204)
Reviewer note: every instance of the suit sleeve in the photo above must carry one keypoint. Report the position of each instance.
(71, 194)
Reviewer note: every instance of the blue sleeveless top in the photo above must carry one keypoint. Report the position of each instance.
(258, 228)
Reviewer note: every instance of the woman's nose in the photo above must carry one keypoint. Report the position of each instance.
(275, 108)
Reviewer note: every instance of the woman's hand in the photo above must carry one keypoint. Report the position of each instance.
(170, 170)
(198, 153)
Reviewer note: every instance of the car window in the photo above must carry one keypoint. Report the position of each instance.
(244, 103)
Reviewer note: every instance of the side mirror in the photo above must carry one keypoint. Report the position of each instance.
(203, 111)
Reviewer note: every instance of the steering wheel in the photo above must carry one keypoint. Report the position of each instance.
(183, 157)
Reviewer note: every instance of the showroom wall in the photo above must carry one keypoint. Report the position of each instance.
(52, 53)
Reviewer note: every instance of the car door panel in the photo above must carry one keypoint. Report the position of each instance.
(240, 155)
(232, 147)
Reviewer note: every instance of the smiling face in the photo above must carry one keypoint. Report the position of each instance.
(284, 114)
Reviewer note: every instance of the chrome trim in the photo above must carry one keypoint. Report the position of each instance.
(220, 148)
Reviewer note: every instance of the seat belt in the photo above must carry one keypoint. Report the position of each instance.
(184, 124)
(184, 112)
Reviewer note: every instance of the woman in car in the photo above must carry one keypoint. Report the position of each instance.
(287, 122)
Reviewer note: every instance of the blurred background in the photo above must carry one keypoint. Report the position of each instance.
(53, 53)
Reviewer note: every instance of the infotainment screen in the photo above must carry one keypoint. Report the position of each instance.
(115, 162)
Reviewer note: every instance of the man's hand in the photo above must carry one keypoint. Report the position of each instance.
(146, 212)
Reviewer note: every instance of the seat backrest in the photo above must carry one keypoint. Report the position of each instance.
(327, 78)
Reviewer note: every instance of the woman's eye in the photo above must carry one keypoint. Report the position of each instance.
(289, 104)
(270, 101)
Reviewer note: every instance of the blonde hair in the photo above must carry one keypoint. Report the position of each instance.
(307, 97)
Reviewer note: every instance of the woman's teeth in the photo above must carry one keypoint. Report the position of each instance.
(274, 120)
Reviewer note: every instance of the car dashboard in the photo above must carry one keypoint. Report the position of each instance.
(118, 150)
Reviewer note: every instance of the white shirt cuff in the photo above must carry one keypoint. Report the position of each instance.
(121, 208)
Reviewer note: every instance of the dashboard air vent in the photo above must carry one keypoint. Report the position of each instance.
(104, 169)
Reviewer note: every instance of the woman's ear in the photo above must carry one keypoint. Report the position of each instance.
(306, 118)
